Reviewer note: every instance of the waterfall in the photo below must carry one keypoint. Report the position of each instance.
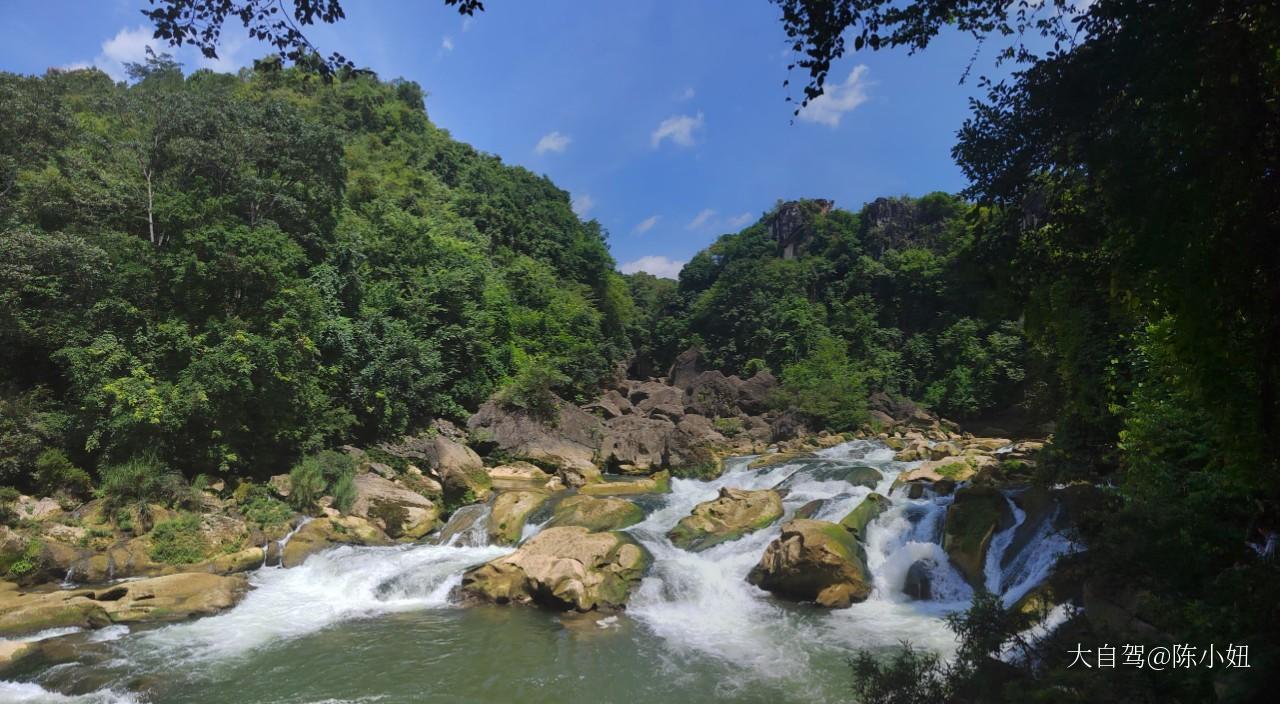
(467, 527)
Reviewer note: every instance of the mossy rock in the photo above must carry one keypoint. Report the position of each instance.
(563, 568)
(596, 513)
(777, 458)
(866, 512)
(659, 483)
(975, 516)
(731, 515)
(510, 511)
(814, 561)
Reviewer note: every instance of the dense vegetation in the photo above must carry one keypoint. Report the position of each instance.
(888, 299)
(1130, 168)
(227, 272)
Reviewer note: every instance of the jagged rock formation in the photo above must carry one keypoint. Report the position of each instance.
(790, 223)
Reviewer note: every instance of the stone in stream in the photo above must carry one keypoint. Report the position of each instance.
(810, 509)
(326, 532)
(510, 509)
(917, 584)
(814, 561)
(731, 515)
(169, 598)
(563, 568)
(975, 516)
(596, 513)
(858, 519)
(659, 483)
(397, 510)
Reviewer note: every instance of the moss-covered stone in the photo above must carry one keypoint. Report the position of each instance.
(976, 514)
(509, 512)
(658, 483)
(777, 458)
(814, 561)
(596, 513)
(866, 512)
(734, 513)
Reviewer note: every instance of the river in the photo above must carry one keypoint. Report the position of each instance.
(385, 624)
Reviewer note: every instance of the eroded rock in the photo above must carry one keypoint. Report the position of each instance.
(565, 568)
(814, 561)
(734, 513)
(596, 513)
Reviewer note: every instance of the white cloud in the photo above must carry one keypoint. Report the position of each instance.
(646, 224)
(552, 142)
(740, 220)
(128, 46)
(688, 93)
(659, 266)
(466, 24)
(700, 219)
(582, 204)
(828, 108)
(227, 61)
(446, 44)
(678, 128)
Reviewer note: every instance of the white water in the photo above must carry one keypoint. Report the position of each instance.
(695, 604)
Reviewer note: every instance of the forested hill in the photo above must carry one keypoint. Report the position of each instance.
(232, 270)
(891, 297)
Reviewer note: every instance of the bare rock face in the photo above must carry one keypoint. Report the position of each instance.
(635, 445)
(814, 561)
(729, 516)
(399, 512)
(457, 466)
(753, 394)
(570, 437)
(791, 224)
(648, 395)
(567, 568)
(685, 368)
(713, 394)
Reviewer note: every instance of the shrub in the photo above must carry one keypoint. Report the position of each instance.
(260, 507)
(344, 493)
(825, 387)
(139, 482)
(533, 388)
(8, 514)
(728, 426)
(754, 366)
(31, 559)
(318, 473)
(55, 473)
(179, 541)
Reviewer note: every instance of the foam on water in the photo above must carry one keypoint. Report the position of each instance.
(336, 585)
(32, 693)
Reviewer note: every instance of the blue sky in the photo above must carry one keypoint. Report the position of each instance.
(665, 120)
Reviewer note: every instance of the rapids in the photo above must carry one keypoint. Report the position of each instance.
(385, 624)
